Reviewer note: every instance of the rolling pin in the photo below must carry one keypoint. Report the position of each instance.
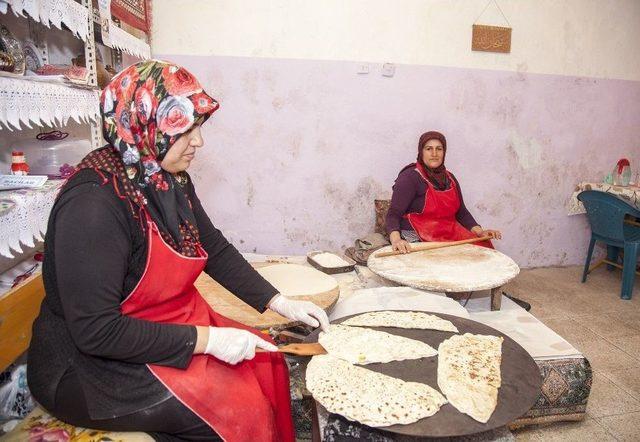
(429, 246)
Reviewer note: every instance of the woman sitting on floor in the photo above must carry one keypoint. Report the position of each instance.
(427, 203)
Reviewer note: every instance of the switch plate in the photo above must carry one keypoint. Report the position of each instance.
(388, 70)
(363, 68)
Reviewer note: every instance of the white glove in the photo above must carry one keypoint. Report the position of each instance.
(303, 311)
(233, 345)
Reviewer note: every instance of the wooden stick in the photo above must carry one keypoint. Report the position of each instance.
(429, 246)
(300, 349)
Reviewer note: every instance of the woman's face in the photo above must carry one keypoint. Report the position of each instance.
(180, 155)
(432, 153)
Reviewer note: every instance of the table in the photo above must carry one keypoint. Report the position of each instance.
(229, 305)
(460, 269)
(629, 194)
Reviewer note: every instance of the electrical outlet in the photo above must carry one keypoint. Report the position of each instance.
(363, 68)
(388, 70)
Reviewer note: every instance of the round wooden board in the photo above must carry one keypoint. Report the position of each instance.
(521, 381)
(229, 305)
(462, 268)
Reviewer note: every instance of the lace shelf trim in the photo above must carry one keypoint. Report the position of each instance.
(55, 12)
(26, 221)
(30, 100)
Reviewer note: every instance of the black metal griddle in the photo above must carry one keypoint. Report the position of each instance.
(521, 381)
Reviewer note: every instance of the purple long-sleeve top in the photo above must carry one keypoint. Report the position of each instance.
(409, 193)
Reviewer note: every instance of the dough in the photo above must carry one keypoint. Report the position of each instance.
(419, 320)
(329, 260)
(297, 280)
(368, 397)
(365, 346)
(469, 373)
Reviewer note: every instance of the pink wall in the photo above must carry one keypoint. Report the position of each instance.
(299, 149)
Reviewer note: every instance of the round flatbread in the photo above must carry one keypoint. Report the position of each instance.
(297, 280)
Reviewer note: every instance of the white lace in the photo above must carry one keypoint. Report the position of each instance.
(55, 12)
(27, 220)
(27, 100)
(121, 39)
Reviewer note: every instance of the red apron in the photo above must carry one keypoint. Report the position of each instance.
(249, 401)
(437, 221)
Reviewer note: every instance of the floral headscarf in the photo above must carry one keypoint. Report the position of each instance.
(145, 109)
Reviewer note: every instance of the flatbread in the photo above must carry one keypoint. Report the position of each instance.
(368, 397)
(297, 280)
(364, 346)
(469, 373)
(329, 260)
(419, 320)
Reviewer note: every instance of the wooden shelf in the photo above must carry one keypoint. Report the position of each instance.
(18, 309)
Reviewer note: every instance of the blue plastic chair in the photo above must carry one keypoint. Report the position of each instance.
(606, 215)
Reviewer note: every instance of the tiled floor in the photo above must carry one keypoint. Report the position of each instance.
(606, 329)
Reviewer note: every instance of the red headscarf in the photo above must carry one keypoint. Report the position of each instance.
(436, 176)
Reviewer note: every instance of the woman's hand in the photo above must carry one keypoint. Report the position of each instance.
(398, 244)
(303, 311)
(233, 345)
(479, 231)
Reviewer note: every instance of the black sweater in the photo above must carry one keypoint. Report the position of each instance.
(95, 253)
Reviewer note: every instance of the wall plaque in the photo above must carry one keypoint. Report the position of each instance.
(491, 39)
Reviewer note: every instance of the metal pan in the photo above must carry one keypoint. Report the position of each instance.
(521, 381)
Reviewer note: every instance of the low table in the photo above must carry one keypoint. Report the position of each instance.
(460, 269)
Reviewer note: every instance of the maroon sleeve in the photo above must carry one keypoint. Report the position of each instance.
(404, 192)
(463, 216)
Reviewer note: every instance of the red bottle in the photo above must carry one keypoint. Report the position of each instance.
(19, 165)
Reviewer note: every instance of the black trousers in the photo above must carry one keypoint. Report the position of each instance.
(167, 421)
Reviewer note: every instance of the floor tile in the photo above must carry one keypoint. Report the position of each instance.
(625, 427)
(608, 399)
(604, 356)
(587, 430)
(608, 325)
(627, 379)
(628, 344)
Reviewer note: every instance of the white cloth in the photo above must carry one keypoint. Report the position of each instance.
(55, 12)
(396, 298)
(536, 338)
(121, 39)
(27, 100)
(28, 218)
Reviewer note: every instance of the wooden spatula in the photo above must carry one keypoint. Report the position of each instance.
(311, 349)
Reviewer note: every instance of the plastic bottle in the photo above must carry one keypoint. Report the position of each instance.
(19, 165)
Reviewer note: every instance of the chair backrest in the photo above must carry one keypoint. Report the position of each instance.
(606, 213)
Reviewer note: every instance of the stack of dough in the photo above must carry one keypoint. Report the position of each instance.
(469, 373)
(419, 320)
(368, 397)
(365, 346)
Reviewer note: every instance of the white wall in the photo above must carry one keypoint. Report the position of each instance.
(593, 38)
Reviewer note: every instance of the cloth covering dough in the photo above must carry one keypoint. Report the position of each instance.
(469, 373)
(297, 280)
(364, 346)
(419, 320)
(368, 397)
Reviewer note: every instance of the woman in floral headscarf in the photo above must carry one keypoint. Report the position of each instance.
(124, 341)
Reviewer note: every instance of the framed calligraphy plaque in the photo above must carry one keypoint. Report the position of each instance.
(491, 39)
